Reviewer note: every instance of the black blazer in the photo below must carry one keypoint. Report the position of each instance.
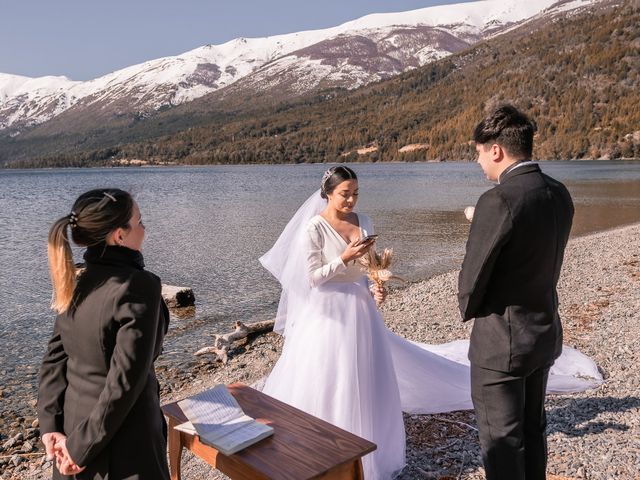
(511, 269)
(97, 380)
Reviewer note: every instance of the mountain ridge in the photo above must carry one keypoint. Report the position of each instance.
(301, 61)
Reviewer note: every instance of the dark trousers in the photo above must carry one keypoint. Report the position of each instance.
(511, 423)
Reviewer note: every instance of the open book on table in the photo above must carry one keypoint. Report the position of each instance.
(217, 418)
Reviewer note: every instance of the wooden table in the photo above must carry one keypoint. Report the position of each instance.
(301, 447)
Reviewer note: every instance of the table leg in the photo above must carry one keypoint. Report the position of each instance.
(359, 472)
(175, 450)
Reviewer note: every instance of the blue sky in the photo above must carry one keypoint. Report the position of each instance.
(85, 39)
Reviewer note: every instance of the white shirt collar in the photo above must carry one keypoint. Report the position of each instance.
(517, 165)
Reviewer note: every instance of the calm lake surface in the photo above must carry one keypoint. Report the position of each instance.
(207, 227)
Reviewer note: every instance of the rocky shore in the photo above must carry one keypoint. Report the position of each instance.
(592, 435)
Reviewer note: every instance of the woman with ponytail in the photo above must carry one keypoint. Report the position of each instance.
(98, 401)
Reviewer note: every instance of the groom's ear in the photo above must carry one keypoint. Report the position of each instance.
(496, 152)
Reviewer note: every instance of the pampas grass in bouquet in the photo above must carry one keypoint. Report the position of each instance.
(377, 266)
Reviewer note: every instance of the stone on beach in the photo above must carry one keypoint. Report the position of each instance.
(177, 297)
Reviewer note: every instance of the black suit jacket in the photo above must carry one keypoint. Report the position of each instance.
(510, 271)
(97, 381)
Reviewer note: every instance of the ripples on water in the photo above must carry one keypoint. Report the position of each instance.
(207, 226)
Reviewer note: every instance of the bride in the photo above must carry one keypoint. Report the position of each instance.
(339, 361)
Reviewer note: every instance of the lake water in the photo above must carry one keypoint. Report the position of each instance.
(207, 227)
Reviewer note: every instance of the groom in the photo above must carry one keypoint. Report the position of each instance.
(508, 284)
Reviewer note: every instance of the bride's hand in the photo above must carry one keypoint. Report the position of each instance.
(379, 293)
(353, 251)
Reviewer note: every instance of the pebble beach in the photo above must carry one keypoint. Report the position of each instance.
(591, 435)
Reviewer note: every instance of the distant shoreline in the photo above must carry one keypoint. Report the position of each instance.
(391, 162)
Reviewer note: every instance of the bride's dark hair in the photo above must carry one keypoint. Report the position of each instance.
(334, 177)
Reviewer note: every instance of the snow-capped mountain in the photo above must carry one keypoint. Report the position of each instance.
(350, 55)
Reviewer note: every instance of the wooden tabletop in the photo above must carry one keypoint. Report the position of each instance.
(302, 446)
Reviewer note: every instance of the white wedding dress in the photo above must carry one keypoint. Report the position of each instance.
(340, 363)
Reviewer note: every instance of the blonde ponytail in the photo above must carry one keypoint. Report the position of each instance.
(95, 214)
(61, 266)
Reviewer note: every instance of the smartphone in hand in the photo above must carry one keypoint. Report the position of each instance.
(367, 239)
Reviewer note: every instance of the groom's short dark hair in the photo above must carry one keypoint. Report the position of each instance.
(508, 127)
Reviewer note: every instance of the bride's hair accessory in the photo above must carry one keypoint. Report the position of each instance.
(108, 195)
(325, 178)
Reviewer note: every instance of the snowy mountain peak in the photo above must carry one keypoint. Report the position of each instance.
(355, 53)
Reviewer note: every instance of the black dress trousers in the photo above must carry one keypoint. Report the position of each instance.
(511, 422)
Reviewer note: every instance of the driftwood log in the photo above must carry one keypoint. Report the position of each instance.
(223, 344)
